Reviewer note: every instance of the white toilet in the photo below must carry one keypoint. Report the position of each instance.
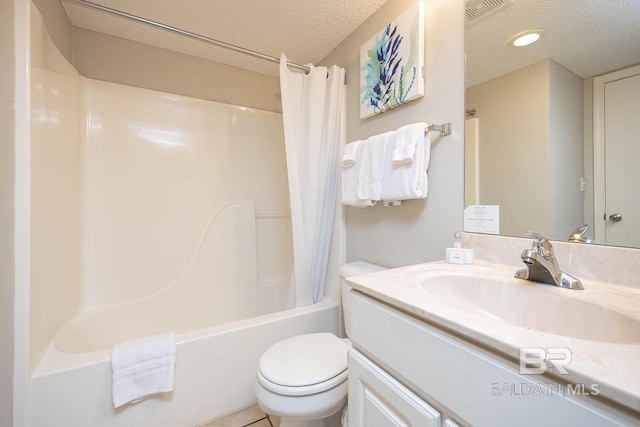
(303, 379)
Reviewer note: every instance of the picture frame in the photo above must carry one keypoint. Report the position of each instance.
(392, 64)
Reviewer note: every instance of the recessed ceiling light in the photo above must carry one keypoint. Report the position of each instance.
(526, 37)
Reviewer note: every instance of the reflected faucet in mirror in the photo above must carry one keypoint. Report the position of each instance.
(579, 235)
(542, 265)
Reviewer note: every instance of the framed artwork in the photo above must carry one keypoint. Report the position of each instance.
(392, 64)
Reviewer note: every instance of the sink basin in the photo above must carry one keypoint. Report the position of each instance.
(535, 306)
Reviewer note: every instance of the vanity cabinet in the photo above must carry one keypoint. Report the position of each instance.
(406, 372)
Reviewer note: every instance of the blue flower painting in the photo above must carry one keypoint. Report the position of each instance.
(391, 64)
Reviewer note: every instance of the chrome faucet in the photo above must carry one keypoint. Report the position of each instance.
(579, 235)
(542, 265)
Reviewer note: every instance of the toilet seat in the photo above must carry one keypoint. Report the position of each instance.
(304, 364)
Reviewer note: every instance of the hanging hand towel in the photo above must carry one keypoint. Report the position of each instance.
(143, 367)
(406, 139)
(404, 181)
(350, 173)
(371, 168)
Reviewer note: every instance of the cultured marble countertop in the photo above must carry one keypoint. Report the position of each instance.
(611, 360)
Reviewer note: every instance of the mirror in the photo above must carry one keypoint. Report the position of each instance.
(530, 137)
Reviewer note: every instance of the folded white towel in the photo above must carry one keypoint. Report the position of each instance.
(406, 138)
(371, 168)
(349, 158)
(143, 367)
(350, 176)
(404, 181)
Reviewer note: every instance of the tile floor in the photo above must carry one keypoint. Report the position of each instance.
(248, 417)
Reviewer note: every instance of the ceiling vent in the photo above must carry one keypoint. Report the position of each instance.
(476, 10)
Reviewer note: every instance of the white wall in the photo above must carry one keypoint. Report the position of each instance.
(419, 230)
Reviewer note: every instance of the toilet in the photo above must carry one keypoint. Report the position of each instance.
(303, 379)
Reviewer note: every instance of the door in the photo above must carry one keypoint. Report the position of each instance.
(619, 129)
(622, 161)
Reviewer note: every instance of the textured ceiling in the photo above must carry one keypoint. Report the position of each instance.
(305, 30)
(588, 37)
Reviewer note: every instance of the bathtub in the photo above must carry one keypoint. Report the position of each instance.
(224, 318)
(215, 373)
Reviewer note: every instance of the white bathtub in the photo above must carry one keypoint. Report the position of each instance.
(218, 310)
(215, 374)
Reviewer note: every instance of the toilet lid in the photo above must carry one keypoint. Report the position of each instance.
(304, 360)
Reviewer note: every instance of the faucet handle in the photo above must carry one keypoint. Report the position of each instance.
(579, 235)
(581, 230)
(541, 244)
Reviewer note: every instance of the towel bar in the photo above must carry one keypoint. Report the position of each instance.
(444, 129)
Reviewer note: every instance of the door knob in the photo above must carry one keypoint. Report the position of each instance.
(615, 217)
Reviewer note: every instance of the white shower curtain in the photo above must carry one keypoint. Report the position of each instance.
(313, 110)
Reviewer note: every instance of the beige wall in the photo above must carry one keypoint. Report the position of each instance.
(418, 230)
(57, 24)
(531, 148)
(566, 146)
(587, 117)
(514, 131)
(117, 60)
(7, 156)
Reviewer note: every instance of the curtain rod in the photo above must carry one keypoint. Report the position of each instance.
(189, 34)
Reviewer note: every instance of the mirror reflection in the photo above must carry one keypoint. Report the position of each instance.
(551, 125)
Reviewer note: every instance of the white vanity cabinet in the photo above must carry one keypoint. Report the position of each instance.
(406, 372)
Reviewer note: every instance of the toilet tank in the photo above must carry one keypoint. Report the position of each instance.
(347, 270)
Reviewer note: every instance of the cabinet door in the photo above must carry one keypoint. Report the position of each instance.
(378, 400)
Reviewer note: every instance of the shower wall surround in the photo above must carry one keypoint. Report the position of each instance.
(55, 189)
(156, 170)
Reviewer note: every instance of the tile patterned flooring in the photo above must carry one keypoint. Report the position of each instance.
(248, 417)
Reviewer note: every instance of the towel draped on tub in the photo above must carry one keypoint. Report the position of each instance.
(143, 367)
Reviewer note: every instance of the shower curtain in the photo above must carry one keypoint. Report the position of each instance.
(313, 110)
